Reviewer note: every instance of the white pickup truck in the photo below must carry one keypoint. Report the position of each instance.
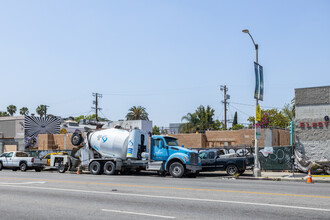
(18, 160)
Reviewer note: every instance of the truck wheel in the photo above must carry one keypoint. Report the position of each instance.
(109, 168)
(76, 139)
(176, 170)
(95, 168)
(1, 166)
(231, 169)
(23, 167)
(62, 168)
(38, 169)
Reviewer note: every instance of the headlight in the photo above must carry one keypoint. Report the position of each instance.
(186, 158)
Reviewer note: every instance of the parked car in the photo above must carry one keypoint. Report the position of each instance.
(214, 160)
(18, 160)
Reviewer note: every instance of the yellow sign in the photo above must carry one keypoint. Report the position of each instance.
(63, 131)
(258, 113)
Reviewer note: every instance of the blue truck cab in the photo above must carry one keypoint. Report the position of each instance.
(167, 156)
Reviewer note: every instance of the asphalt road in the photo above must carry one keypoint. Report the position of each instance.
(46, 195)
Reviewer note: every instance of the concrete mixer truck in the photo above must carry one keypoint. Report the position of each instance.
(113, 150)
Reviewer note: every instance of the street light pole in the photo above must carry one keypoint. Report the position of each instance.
(256, 170)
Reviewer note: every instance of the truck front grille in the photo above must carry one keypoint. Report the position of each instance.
(193, 158)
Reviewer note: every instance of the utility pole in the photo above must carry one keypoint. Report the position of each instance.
(96, 103)
(225, 97)
(46, 110)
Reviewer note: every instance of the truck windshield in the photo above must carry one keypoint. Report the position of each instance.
(171, 141)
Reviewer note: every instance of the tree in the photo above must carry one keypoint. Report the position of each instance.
(11, 109)
(271, 118)
(24, 111)
(155, 130)
(3, 114)
(41, 110)
(235, 119)
(200, 120)
(289, 110)
(137, 113)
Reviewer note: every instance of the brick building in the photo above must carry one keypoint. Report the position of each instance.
(275, 137)
(312, 117)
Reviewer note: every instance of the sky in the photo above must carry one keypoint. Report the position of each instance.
(167, 56)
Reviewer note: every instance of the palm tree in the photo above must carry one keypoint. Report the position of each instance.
(24, 111)
(201, 119)
(3, 114)
(11, 109)
(137, 113)
(41, 110)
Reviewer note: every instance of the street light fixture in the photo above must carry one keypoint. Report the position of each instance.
(256, 170)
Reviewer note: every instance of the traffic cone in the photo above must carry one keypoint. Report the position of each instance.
(309, 177)
(78, 171)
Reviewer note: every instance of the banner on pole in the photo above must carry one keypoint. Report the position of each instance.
(261, 94)
(259, 85)
(256, 89)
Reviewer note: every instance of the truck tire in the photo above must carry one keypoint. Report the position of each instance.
(109, 168)
(1, 166)
(176, 170)
(38, 169)
(231, 170)
(95, 168)
(62, 168)
(23, 167)
(76, 139)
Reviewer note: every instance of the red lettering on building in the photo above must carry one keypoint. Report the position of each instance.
(314, 124)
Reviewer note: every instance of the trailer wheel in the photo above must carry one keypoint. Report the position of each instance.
(95, 168)
(23, 167)
(109, 168)
(76, 139)
(231, 169)
(176, 170)
(62, 168)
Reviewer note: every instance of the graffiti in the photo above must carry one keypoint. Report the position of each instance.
(280, 159)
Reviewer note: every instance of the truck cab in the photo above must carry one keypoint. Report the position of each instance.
(170, 157)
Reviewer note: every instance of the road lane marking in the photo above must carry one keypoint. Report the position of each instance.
(176, 188)
(22, 183)
(168, 197)
(136, 213)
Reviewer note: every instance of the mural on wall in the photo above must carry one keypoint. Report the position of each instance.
(37, 125)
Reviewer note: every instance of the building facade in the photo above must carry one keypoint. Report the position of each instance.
(11, 133)
(311, 122)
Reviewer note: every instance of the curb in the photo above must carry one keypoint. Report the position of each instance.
(278, 179)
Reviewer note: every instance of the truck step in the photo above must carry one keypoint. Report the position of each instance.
(157, 165)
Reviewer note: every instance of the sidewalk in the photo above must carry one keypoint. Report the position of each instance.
(286, 176)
